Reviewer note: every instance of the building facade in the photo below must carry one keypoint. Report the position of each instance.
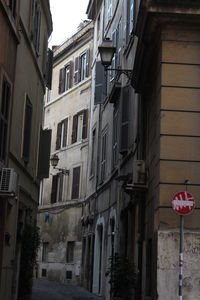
(67, 112)
(143, 146)
(25, 28)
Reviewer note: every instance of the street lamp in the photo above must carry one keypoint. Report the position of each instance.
(106, 51)
(54, 162)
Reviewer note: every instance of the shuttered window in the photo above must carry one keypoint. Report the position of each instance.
(80, 126)
(27, 130)
(61, 139)
(82, 66)
(57, 188)
(65, 78)
(76, 183)
(4, 117)
(125, 112)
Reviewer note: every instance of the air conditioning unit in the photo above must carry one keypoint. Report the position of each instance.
(8, 181)
(139, 173)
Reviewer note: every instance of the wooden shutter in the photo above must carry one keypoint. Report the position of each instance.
(74, 128)
(99, 83)
(54, 188)
(76, 183)
(76, 71)
(125, 111)
(87, 62)
(85, 124)
(58, 138)
(49, 68)
(44, 154)
(65, 132)
(27, 130)
(61, 87)
(70, 74)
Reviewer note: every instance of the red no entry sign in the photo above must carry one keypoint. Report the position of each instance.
(183, 203)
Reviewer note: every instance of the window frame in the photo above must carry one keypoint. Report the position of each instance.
(104, 142)
(70, 252)
(62, 134)
(57, 188)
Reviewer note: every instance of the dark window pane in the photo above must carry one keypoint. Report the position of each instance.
(75, 184)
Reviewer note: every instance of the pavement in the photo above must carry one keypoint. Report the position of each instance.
(51, 290)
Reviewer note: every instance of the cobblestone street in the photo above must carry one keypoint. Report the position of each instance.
(50, 290)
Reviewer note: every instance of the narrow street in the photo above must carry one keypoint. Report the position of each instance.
(50, 290)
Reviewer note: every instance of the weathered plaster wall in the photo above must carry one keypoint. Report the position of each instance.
(168, 265)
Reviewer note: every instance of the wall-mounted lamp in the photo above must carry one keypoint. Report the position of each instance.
(54, 162)
(106, 51)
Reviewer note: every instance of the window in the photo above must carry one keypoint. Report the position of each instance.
(27, 130)
(128, 19)
(98, 26)
(76, 183)
(45, 251)
(70, 252)
(68, 274)
(113, 65)
(44, 272)
(125, 120)
(92, 164)
(80, 125)
(65, 78)
(36, 22)
(115, 138)
(109, 10)
(12, 6)
(82, 64)
(57, 188)
(61, 139)
(103, 155)
(118, 44)
(4, 116)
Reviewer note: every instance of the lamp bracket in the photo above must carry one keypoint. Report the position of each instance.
(126, 72)
(63, 171)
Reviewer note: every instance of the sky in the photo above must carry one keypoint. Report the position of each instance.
(67, 15)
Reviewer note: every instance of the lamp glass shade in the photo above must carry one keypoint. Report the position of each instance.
(54, 160)
(106, 51)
